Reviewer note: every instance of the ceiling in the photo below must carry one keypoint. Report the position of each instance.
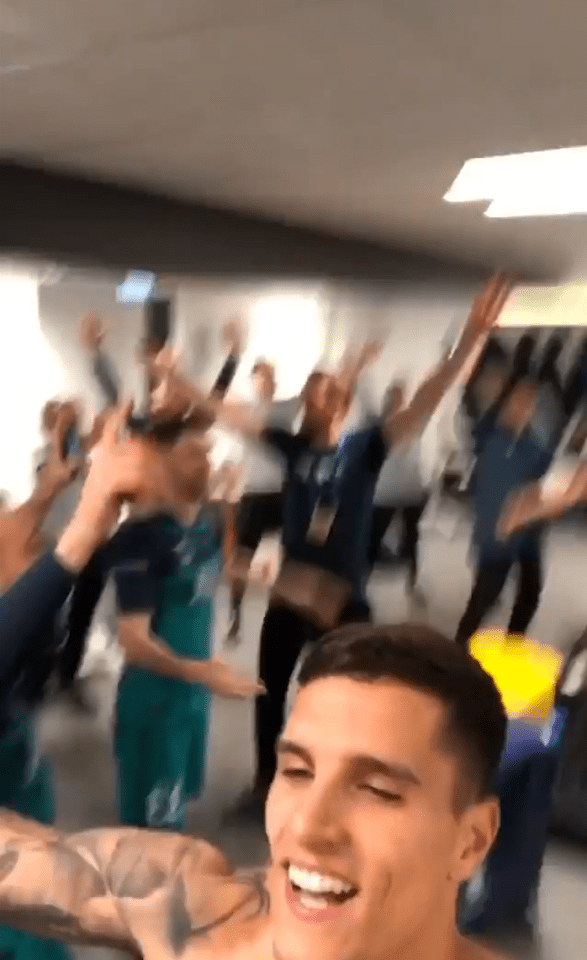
(354, 115)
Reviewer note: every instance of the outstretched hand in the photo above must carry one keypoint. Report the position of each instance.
(487, 307)
(224, 681)
(233, 336)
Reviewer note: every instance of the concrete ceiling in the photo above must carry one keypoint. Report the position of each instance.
(353, 115)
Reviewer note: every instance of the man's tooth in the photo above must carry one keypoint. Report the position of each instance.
(312, 902)
(316, 883)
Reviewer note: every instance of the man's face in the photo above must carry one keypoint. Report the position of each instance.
(324, 400)
(365, 794)
(189, 465)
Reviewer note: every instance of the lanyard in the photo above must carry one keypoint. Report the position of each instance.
(327, 472)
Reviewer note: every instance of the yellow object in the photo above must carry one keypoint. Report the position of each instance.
(525, 672)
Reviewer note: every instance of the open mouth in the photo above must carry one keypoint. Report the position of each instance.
(317, 891)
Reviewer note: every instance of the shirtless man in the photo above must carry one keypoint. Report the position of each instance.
(380, 809)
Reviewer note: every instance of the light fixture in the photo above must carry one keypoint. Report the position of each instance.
(547, 183)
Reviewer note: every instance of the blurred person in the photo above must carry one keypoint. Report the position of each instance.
(400, 495)
(167, 560)
(328, 508)
(260, 510)
(33, 592)
(382, 806)
(551, 412)
(86, 603)
(575, 384)
(524, 357)
(93, 335)
(507, 454)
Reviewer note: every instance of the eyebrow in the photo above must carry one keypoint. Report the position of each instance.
(363, 764)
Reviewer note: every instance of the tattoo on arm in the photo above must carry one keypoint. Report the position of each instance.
(105, 887)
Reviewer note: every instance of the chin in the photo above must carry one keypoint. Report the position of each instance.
(294, 939)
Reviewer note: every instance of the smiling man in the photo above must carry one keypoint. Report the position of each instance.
(381, 807)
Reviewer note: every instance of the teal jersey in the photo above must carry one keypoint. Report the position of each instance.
(171, 571)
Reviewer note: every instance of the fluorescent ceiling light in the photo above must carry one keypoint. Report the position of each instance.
(547, 183)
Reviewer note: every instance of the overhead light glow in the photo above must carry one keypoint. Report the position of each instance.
(548, 183)
(560, 306)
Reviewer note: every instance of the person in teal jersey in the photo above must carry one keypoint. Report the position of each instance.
(167, 566)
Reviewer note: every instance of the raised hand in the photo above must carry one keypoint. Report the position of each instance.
(92, 331)
(224, 681)
(487, 308)
(233, 336)
(371, 351)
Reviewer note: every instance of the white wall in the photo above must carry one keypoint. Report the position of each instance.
(288, 325)
(294, 326)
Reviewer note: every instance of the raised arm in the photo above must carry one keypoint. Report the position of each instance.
(20, 529)
(148, 893)
(92, 336)
(232, 336)
(405, 424)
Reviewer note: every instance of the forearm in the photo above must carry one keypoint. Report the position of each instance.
(410, 421)
(54, 886)
(33, 512)
(29, 606)
(432, 390)
(113, 888)
(105, 373)
(150, 653)
(225, 377)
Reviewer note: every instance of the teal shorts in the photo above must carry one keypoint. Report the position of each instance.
(161, 765)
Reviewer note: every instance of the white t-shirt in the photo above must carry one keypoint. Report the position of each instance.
(400, 481)
(263, 468)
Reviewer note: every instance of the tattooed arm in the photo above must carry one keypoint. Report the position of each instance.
(145, 892)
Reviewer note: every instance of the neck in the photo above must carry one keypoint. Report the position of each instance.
(187, 511)
(324, 436)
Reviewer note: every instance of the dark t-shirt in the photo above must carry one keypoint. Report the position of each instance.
(341, 478)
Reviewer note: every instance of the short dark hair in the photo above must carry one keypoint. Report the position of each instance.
(423, 658)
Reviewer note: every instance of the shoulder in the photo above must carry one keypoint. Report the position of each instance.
(138, 537)
(470, 950)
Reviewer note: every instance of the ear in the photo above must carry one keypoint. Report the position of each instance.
(477, 834)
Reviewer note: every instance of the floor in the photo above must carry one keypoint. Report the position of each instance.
(80, 750)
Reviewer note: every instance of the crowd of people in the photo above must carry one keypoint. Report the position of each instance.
(377, 791)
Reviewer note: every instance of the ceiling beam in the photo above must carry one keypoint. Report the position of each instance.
(52, 214)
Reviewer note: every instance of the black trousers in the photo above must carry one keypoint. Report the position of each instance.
(410, 517)
(283, 636)
(489, 583)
